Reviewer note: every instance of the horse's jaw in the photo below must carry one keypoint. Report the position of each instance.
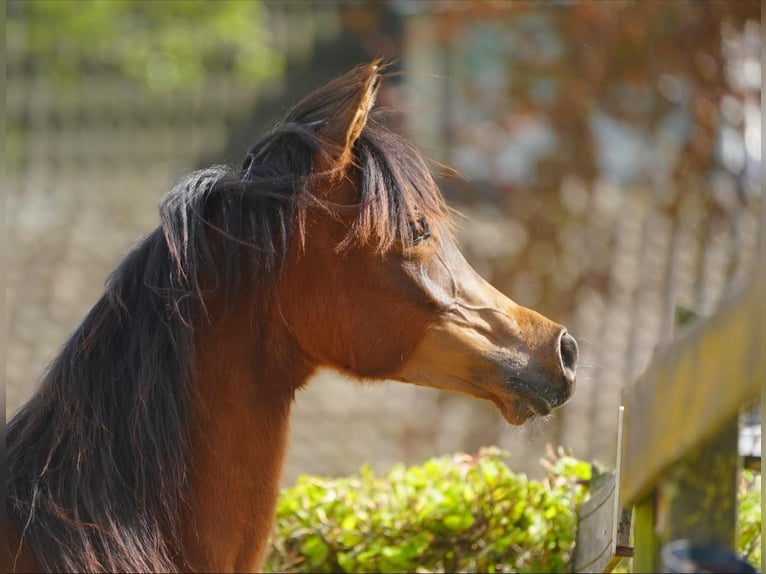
(516, 376)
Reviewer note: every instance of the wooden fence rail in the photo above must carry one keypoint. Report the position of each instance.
(677, 463)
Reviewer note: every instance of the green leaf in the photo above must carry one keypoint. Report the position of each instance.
(368, 555)
(315, 549)
(458, 522)
(349, 522)
(350, 539)
(346, 562)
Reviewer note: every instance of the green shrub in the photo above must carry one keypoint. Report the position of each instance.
(749, 517)
(452, 514)
(459, 513)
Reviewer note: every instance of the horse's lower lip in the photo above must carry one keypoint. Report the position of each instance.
(534, 402)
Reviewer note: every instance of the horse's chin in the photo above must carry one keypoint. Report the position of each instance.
(517, 404)
(518, 412)
(520, 400)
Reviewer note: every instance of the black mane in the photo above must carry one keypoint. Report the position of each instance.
(97, 469)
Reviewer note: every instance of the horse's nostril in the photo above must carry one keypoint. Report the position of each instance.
(569, 353)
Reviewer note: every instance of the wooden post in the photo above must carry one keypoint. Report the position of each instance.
(692, 391)
(603, 529)
(645, 542)
(680, 455)
(697, 497)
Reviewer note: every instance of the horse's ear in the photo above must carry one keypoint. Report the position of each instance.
(346, 123)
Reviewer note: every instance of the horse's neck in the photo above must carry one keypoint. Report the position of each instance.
(17, 557)
(239, 437)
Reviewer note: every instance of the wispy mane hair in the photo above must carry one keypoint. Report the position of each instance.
(97, 473)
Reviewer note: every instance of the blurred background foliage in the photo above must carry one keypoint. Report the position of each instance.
(609, 152)
(159, 44)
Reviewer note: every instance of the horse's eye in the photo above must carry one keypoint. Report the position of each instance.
(420, 231)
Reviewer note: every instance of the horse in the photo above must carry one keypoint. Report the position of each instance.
(155, 440)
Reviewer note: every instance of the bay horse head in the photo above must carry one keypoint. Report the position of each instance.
(382, 291)
(156, 438)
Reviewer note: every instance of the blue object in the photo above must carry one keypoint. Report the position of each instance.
(684, 556)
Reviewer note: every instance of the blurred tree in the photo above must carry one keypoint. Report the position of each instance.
(557, 99)
(160, 45)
